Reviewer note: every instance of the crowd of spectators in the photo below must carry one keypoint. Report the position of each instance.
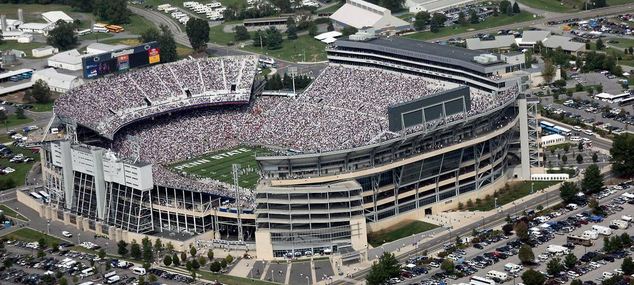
(109, 103)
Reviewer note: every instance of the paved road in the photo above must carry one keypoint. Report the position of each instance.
(619, 9)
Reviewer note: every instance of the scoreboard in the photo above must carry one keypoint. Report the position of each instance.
(121, 60)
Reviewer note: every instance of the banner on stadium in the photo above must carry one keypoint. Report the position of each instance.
(123, 62)
(154, 55)
(120, 60)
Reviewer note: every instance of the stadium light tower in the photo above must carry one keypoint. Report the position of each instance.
(292, 71)
(236, 175)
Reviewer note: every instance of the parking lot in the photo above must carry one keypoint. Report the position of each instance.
(498, 250)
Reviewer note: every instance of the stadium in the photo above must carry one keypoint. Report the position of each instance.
(192, 152)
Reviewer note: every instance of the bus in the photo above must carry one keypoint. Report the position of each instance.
(115, 28)
(563, 131)
(477, 280)
(551, 128)
(44, 194)
(35, 195)
(585, 241)
(627, 101)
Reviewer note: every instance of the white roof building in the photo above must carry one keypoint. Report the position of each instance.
(565, 43)
(504, 41)
(36, 28)
(69, 60)
(532, 37)
(97, 48)
(12, 25)
(54, 16)
(44, 51)
(58, 82)
(360, 14)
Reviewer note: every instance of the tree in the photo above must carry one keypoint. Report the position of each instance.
(192, 251)
(152, 278)
(437, 21)
(62, 36)
(330, 27)
(259, 39)
(447, 266)
(175, 260)
(40, 92)
(473, 17)
(579, 158)
(600, 45)
(312, 29)
(273, 38)
(516, 8)
(549, 71)
(532, 277)
(113, 11)
(215, 266)
(570, 260)
(168, 45)
(576, 282)
(622, 152)
(122, 248)
(183, 256)
(167, 260)
(19, 113)
(553, 267)
(62, 281)
(198, 33)
(462, 19)
(158, 245)
(592, 180)
(421, 20)
(291, 29)
(626, 240)
(135, 250)
(564, 159)
(393, 5)
(148, 254)
(229, 259)
(526, 254)
(241, 34)
(387, 267)
(504, 5)
(102, 253)
(202, 260)
(210, 254)
(568, 191)
(627, 266)
(521, 230)
(349, 31)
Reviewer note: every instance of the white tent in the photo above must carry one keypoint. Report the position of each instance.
(328, 40)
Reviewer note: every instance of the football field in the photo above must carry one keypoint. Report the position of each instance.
(218, 165)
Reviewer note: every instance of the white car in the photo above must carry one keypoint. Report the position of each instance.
(67, 234)
(8, 170)
(626, 218)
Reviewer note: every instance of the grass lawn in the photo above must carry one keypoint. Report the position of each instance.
(13, 120)
(488, 23)
(218, 36)
(516, 191)
(95, 36)
(620, 42)
(399, 231)
(181, 50)
(11, 213)
(29, 235)
(554, 5)
(21, 169)
(42, 107)
(231, 280)
(330, 9)
(26, 48)
(137, 25)
(304, 48)
(218, 165)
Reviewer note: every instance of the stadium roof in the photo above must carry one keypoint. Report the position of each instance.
(565, 43)
(497, 42)
(424, 50)
(54, 16)
(532, 37)
(361, 14)
(96, 48)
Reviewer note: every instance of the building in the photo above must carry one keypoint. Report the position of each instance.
(498, 42)
(530, 38)
(69, 60)
(552, 140)
(565, 43)
(36, 28)
(57, 82)
(360, 14)
(19, 36)
(44, 51)
(9, 25)
(431, 6)
(97, 48)
(54, 16)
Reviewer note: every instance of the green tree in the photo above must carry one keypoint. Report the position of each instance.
(291, 29)
(421, 20)
(19, 113)
(198, 33)
(349, 31)
(183, 256)
(215, 266)
(447, 266)
(202, 260)
(504, 5)
(40, 92)
(330, 27)
(112, 11)
(158, 245)
(462, 19)
(526, 254)
(192, 251)
(626, 240)
(579, 158)
(387, 267)
(62, 36)
(259, 39)
(622, 152)
(62, 281)
(607, 245)
(167, 260)
(473, 17)
(568, 191)
(122, 248)
(312, 29)
(437, 21)
(241, 34)
(210, 254)
(570, 260)
(229, 259)
(549, 71)
(592, 180)
(576, 282)
(516, 8)
(393, 5)
(564, 159)
(600, 45)
(175, 260)
(102, 253)
(273, 38)
(521, 230)
(135, 250)
(532, 277)
(627, 266)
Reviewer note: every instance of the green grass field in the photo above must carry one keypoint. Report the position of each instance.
(21, 169)
(11, 213)
(516, 191)
(488, 23)
(304, 48)
(620, 42)
(26, 48)
(399, 231)
(218, 165)
(554, 5)
(29, 235)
